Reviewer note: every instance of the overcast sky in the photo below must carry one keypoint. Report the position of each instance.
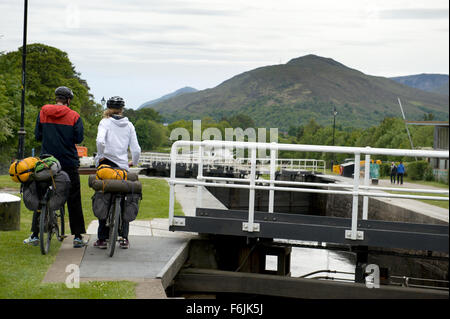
(143, 49)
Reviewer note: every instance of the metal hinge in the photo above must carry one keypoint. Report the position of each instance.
(359, 235)
(255, 227)
(179, 221)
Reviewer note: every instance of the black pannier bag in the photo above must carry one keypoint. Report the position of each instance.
(34, 190)
(132, 202)
(101, 203)
(31, 195)
(61, 190)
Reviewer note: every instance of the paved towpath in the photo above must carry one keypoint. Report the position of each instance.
(411, 204)
(155, 253)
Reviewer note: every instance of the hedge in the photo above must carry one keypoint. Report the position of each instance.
(419, 170)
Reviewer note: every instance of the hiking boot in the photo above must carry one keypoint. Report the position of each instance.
(123, 243)
(33, 241)
(79, 242)
(101, 244)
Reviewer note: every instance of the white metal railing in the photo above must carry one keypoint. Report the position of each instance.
(270, 185)
(293, 164)
(239, 164)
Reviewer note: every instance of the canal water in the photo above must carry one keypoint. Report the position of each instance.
(305, 260)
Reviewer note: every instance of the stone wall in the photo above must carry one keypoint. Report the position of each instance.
(341, 206)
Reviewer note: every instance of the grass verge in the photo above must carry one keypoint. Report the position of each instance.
(23, 267)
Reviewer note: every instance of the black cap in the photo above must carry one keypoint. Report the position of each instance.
(115, 102)
(64, 92)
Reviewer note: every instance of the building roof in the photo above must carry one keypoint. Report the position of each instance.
(429, 123)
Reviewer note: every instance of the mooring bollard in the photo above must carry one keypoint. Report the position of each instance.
(9, 212)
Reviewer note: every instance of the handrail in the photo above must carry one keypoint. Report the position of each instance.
(243, 163)
(354, 189)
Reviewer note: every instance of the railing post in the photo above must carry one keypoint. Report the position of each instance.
(251, 201)
(366, 183)
(173, 166)
(200, 176)
(273, 154)
(354, 231)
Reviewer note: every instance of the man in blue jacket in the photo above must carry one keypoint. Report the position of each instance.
(400, 173)
(60, 128)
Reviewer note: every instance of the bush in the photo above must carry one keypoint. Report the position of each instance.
(385, 169)
(428, 174)
(419, 170)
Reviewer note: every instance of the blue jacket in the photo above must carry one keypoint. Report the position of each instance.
(60, 128)
(400, 169)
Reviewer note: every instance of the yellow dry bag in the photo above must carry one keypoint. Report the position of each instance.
(107, 172)
(21, 170)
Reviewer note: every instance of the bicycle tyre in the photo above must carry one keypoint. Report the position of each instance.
(114, 228)
(45, 231)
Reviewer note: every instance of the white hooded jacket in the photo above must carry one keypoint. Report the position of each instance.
(115, 134)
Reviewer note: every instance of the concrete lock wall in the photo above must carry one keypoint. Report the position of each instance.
(341, 206)
(319, 204)
(285, 202)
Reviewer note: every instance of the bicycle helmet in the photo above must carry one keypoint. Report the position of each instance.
(115, 102)
(64, 92)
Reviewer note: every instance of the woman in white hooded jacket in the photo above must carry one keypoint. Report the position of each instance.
(115, 135)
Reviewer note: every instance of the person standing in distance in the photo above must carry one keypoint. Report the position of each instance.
(114, 136)
(60, 128)
(400, 173)
(393, 172)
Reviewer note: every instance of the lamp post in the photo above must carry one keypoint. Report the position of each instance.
(21, 132)
(334, 128)
(103, 101)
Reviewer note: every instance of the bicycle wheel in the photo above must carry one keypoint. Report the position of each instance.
(114, 227)
(45, 229)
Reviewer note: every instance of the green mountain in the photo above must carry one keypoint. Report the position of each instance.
(443, 89)
(186, 89)
(435, 83)
(304, 88)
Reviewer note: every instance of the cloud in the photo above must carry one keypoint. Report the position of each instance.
(166, 43)
(172, 8)
(416, 14)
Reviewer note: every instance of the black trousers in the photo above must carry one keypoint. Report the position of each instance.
(76, 218)
(399, 178)
(103, 231)
(393, 176)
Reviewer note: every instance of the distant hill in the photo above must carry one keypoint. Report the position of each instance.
(443, 89)
(436, 83)
(178, 92)
(304, 88)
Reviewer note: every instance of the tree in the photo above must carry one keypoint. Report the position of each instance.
(6, 104)
(241, 120)
(150, 134)
(47, 68)
(143, 114)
